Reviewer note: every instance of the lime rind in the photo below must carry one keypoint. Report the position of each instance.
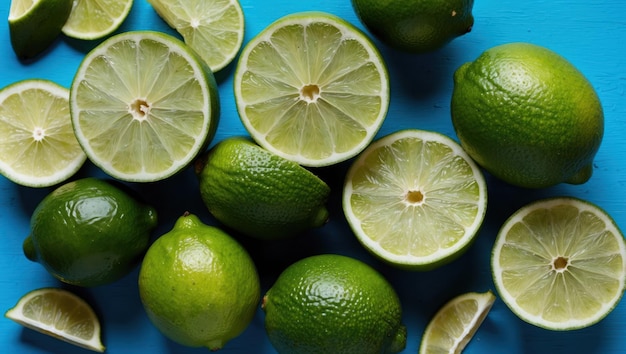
(66, 326)
(560, 263)
(214, 29)
(38, 147)
(90, 20)
(455, 324)
(415, 199)
(312, 88)
(143, 106)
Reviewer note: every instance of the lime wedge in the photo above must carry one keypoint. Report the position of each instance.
(143, 106)
(454, 325)
(560, 263)
(35, 24)
(312, 88)
(94, 19)
(415, 199)
(60, 314)
(213, 28)
(37, 143)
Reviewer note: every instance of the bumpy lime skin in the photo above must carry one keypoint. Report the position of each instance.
(89, 233)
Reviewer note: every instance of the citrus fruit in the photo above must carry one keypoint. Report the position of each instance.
(212, 28)
(312, 88)
(37, 144)
(415, 199)
(60, 314)
(527, 115)
(258, 193)
(333, 304)
(89, 232)
(35, 24)
(199, 286)
(560, 263)
(143, 106)
(454, 325)
(95, 19)
(416, 26)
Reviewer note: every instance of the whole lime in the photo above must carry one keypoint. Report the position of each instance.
(333, 304)
(198, 285)
(416, 26)
(259, 193)
(89, 232)
(527, 115)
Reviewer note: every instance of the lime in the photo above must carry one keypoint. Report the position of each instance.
(143, 122)
(454, 325)
(333, 304)
(527, 116)
(95, 19)
(35, 24)
(89, 232)
(258, 193)
(415, 199)
(37, 144)
(60, 314)
(560, 263)
(199, 286)
(212, 28)
(416, 26)
(312, 88)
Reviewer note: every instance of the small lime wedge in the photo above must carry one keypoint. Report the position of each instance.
(94, 19)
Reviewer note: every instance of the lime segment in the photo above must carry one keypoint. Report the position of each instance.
(143, 105)
(37, 143)
(560, 263)
(415, 199)
(312, 88)
(60, 314)
(94, 19)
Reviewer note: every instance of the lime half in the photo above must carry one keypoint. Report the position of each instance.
(94, 19)
(143, 105)
(312, 88)
(60, 314)
(415, 199)
(454, 325)
(37, 144)
(213, 28)
(560, 263)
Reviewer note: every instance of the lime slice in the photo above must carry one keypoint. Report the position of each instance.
(455, 323)
(213, 28)
(94, 19)
(60, 314)
(35, 24)
(560, 263)
(143, 106)
(415, 199)
(37, 143)
(312, 88)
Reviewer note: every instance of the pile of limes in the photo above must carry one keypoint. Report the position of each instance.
(312, 91)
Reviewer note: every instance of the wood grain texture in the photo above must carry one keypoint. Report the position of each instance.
(592, 35)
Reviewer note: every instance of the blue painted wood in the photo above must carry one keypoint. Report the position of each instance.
(590, 34)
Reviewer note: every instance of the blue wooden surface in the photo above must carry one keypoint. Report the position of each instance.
(591, 34)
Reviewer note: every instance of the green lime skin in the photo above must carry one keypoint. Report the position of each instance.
(333, 304)
(198, 285)
(35, 32)
(258, 193)
(89, 232)
(527, 115)
(415, 26)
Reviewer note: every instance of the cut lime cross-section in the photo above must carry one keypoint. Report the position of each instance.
(60, 314)
(37, 143)
(415, 199)
(143, 106)
(560, 263)
(312, 88)
(94, 19)
(213, 28)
